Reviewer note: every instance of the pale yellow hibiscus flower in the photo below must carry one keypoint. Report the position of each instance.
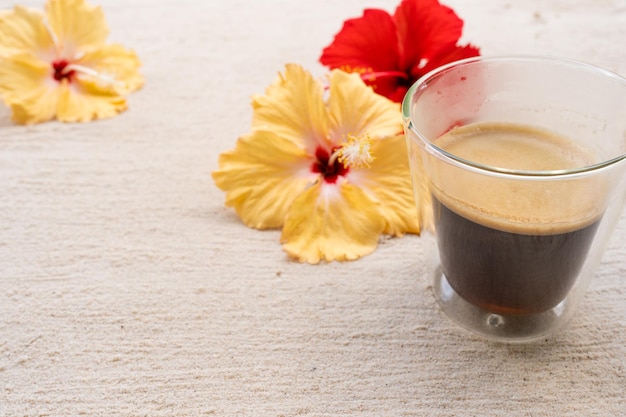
(333, 173)
(57, 64)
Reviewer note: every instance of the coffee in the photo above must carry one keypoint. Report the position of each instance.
(506, 245)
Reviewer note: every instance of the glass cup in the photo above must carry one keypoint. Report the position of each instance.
(518, 166)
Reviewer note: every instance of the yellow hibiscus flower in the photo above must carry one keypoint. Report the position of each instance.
(333, 173)
(57, 64)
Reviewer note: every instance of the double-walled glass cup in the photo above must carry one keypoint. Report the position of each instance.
(518, 166)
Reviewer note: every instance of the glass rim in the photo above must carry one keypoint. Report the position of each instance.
(408, 123)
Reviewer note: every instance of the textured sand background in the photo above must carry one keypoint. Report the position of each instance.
(126, 288)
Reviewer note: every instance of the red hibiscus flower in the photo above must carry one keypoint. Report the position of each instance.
(392, 52)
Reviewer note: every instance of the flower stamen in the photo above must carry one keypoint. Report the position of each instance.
(103, 78)
(356, 152)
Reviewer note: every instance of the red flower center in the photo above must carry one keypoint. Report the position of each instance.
(329, 171)
(60, 70)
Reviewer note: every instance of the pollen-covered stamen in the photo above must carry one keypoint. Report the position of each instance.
(62, 70)
(356, 152)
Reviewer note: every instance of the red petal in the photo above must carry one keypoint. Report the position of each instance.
(364, 44)
(425, 28)
(445, 57)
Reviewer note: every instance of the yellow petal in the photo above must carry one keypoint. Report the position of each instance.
(355, 109)
(21, 74)
(28, 88)
(388, 180)
(85, 100)
(37, 108)
(23, 30)
(293, 107)
(262, 176)
(78, 26)
(116, 66)
(332, 222)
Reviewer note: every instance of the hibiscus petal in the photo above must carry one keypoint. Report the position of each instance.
(21, 74)
(26, 86)
(79, 27)
(425, 27)
(23, 30)
(115, 65)
(367, 43)
(446, 56)
(355, 109)
(293, 107)
(84, 100)
(262, 176)
(332, 222)
(388, 181)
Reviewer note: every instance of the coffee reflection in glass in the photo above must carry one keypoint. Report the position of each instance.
(518, 167)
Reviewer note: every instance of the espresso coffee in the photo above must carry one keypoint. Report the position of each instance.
(506, 272)
(509, 246)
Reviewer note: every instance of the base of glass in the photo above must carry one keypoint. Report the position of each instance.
(497, 327)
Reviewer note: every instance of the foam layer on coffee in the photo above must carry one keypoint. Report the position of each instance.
(516, 204)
